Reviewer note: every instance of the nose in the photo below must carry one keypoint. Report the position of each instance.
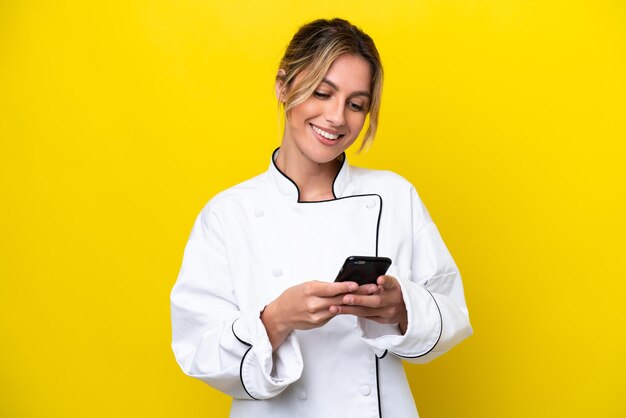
(335, 113)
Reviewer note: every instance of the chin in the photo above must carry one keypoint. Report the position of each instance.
(323, 156)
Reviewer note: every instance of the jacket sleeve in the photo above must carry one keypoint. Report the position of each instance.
(433, 295)
(212, 339)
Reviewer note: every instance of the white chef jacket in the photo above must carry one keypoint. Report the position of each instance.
(256, 239)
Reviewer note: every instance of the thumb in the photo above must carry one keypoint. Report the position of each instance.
(387, 282)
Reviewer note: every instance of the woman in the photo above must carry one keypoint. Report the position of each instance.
(255, 311)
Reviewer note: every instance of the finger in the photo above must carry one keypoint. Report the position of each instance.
(367, 289)
(387, 282)
(362, 312)
(371, 301)
(359, 311)
(325, 289)
(317, 304)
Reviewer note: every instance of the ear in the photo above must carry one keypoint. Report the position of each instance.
(280, 90)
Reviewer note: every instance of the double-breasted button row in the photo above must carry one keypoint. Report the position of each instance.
(365, 390)
(276, 272)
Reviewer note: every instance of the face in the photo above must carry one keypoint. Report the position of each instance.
(329, 121)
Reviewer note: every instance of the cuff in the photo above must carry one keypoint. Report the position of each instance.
(265, 374)
(424, 324)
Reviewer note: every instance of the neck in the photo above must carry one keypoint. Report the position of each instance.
(314, 180)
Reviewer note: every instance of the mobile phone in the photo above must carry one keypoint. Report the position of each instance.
(362, 269)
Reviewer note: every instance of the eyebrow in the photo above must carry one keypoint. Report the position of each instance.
(356, 93)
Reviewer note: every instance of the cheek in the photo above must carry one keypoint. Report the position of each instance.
(305, 110)
(356, 121)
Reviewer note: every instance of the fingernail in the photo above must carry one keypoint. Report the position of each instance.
(352, 287)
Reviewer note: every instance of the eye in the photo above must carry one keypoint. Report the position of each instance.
(321, 95)
(356, 107)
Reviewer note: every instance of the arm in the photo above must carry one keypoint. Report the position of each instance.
(212, 339)
(430, 298)
(436, 310)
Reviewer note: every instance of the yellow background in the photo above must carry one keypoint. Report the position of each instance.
(120, 119)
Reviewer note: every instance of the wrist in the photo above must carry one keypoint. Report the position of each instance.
(275, 327)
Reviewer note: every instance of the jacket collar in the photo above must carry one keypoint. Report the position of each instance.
(289, 188)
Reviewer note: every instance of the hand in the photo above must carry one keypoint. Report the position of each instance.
(304, 306)
(383, 303)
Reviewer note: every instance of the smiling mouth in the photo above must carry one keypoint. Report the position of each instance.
(325, 134)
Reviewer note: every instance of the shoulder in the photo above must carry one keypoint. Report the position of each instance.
(396, 191)
(386, 179)
(235, 197)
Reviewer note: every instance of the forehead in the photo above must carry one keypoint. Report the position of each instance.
(350, 73)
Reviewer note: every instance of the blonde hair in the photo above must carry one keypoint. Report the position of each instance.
(311, 52)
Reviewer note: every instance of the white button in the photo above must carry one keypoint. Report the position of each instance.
(258, 212)
(302, 396)
(365, 390)
(370, 204)
(277, 272)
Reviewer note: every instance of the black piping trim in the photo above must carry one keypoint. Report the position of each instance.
(348, 197)
(241, 374)
(380, 212)
(232, 328)
(440, 331)
(384, 354)
(285, 175)
(380, 412)
(343, 162)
